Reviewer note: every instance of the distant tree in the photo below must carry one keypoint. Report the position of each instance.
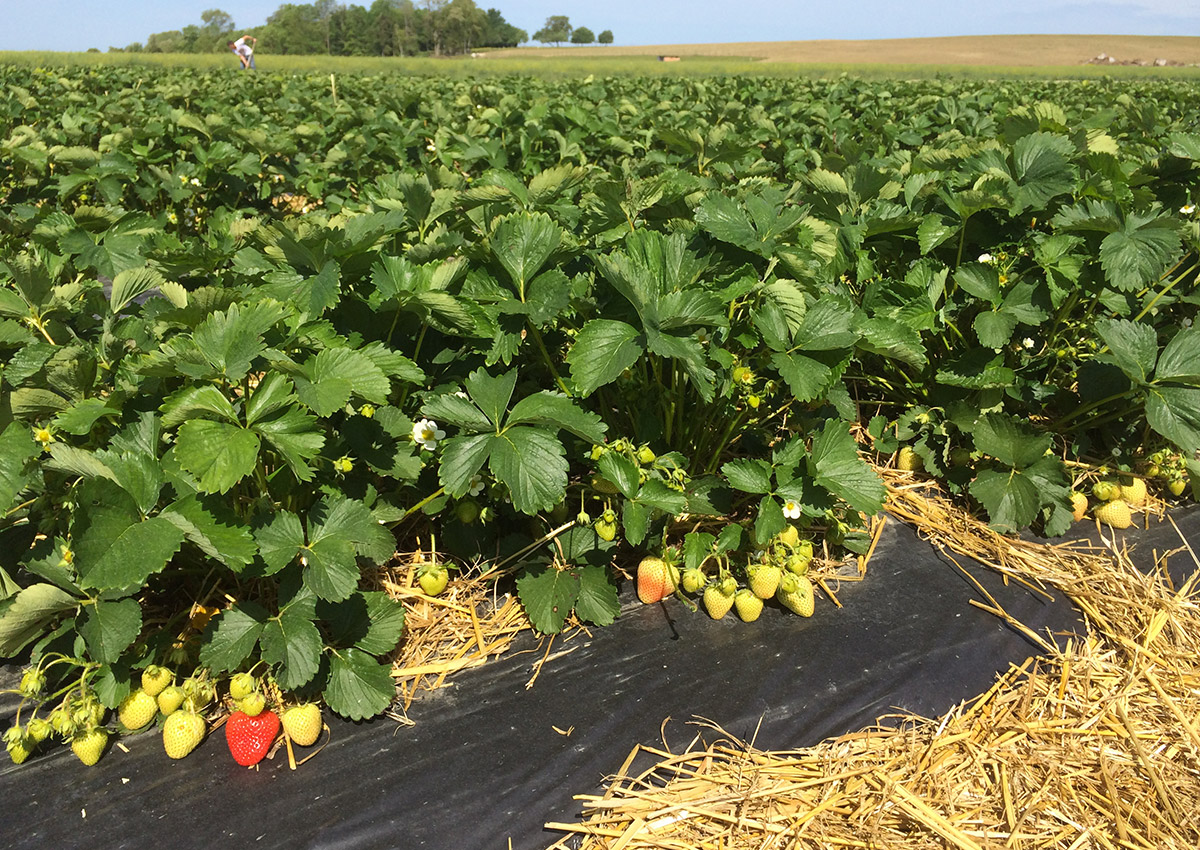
(605, 37)
(582, 35)
(350, 31)
(556, 30)
(500, 33)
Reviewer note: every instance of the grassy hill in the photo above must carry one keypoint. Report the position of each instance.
(991, 50)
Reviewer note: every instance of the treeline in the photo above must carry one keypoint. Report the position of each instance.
(385, 28)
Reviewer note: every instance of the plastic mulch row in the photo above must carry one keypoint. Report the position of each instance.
(489, 761)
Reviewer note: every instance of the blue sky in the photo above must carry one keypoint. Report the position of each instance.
(80, 24)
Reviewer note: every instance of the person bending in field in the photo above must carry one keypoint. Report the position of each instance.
(243, 51)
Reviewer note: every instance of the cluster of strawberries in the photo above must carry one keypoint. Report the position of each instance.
(780, 573)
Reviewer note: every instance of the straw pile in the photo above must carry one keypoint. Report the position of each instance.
(1092, 745)
(466, 626)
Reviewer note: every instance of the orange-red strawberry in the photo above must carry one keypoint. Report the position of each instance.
(250, 738)
(654, 579)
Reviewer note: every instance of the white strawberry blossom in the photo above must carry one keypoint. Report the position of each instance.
(426, 434)
(985, 258)
(1188, 209)
(791, 509)
(476, 485)
(1027, 342)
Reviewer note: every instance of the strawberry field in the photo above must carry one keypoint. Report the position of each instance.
(259, 333)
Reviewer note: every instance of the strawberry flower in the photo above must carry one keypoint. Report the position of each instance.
(791, 509)
(476, 485)
(426, 434)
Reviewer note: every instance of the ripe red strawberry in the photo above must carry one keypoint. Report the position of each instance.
(182, 732)
(302, 723)
(89, 745)
(653, 580)
(748, 606)
(155, 679)
(796, 594)
(764, 580)
(716, 601)
(137, 710)
(249, 738)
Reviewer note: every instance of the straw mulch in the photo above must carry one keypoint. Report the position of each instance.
(1092, 745)
(466, 626)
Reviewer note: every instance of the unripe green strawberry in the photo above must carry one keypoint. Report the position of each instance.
(1114, 513)
(242, 685)
(302, 723)
(796, 594)
(33, 683)
(62, 722)
(253, 704)
(433, 578)
(170, 699)
(653, 580)
(467, 511)
(155, 678)
(200, 692)
(797, 564)
(1177, 486)
(764, 580)
(960, 457)
(1106, 491)
(606, 526)
(88, 745)
(39, 729)
(908, 460)
(1079, 505)
(20, 745)
(1134, 493)
(716, 601)
(692, 580)
(182, 732)
(646, 456)
(790, 536)
(137, 710)
(748, 606)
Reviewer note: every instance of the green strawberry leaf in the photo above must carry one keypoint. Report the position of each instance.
(750, 475)
(29, 614)
(656, 494)
(1133, 346)
(491, 395)
(231, 340)
(621, 471)
(1180, 359)
(531, 462)
(333, 375)
(108, 628)
(522, 243)
(291, 644)
(280, 540)
(835, 465)
(17, 447)
(635, 519)
(555, 410)
(218, 454)
(386, 618)
(294, 436)
(603, 350)
(598, 602)
(980, 280)
(1139, 252)
(770, 520)
(461, 458)
(210, 525)
(1174, 412)
(994, 328)
(806, 377)
(110, 556)
(1003, 438)
(549, 595)
(448, 409)
(231, 636)
(1010, 498)
(359, 686)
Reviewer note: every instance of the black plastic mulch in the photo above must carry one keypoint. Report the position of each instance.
(484, 765)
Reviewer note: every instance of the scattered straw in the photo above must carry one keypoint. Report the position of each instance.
(1093, 745)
